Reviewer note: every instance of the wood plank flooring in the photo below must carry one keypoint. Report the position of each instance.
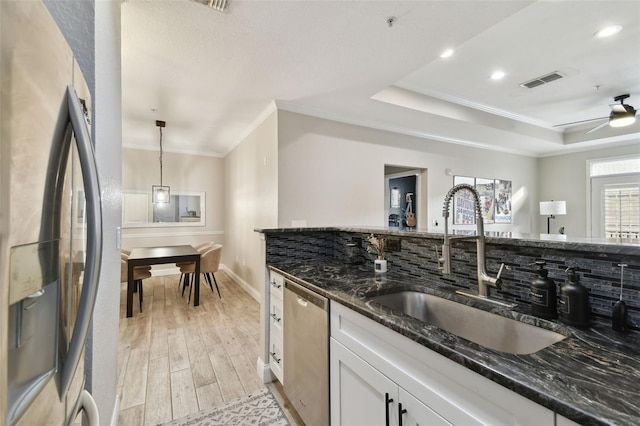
(175, 359)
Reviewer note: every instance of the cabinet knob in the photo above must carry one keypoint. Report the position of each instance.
(276, 285)
(276, 318)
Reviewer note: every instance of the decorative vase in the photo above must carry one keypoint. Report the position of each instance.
(380, 265)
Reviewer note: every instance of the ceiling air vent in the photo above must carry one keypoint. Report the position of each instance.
(542, 80)
(219, 5)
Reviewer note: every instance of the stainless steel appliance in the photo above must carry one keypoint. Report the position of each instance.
(50, 222)
(306, 349)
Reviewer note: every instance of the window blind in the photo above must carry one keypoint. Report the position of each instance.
(622, 212)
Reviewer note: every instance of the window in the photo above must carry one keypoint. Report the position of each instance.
(615, 198)
(615, 167)
(622, 212)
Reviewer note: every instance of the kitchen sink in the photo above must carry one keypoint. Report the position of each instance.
(484, 328)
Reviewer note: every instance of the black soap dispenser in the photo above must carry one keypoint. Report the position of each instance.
(543, 293)
(574, 301)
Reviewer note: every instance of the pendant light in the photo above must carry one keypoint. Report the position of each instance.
(161, 193)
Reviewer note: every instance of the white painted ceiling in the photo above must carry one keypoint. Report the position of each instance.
(212, 75)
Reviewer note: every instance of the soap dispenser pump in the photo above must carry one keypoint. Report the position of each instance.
(574, 301)
(543, 293)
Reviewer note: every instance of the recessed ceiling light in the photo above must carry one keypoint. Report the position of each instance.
(447, 53)
(608, 31)
(498, 75)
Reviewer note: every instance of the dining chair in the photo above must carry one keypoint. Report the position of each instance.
(201, 248)
(124, 254)
(209, 265)
(139, 273)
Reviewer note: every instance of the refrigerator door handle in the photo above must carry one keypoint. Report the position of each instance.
(94, 239)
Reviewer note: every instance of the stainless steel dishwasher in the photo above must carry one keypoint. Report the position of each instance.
(306, 351)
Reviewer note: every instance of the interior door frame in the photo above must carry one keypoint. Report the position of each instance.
(420, 197)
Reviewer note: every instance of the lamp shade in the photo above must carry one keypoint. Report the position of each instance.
(161, 194)
(553, 208)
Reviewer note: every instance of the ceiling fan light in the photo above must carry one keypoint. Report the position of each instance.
(622, 119)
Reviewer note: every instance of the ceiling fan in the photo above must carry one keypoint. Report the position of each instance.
(621, 115)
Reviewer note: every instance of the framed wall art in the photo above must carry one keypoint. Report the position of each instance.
(504, 212)
(463, 208)
(486, 193)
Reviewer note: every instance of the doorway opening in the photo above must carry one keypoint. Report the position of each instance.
(405, 197)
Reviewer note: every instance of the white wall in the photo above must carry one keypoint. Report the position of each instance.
(102, 344)
(331, 173)
(564, 177)
(75, 18)
(182, 172)
(251, 202)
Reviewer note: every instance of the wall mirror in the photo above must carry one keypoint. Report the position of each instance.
(184, 209)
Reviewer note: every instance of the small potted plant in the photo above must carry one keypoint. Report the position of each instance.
(380, 264)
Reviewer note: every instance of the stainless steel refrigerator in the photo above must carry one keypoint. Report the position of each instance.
(50, 222)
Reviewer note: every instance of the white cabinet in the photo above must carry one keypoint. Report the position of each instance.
(276, 322)
(361, 395)
(432, 388)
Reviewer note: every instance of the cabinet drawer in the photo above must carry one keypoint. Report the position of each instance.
(276, 359)
(276, 284)
(275, 319)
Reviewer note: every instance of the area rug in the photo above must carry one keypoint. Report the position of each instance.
(258, 408)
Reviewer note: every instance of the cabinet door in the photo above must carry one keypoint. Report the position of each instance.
(360, 394)
(412, 412)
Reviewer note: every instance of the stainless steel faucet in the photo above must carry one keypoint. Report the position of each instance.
(444, 262)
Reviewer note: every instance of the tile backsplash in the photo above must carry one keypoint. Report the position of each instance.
(416, 257)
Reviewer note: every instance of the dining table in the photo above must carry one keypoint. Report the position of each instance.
(145, 256)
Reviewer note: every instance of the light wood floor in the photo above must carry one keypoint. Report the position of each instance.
(175, 359)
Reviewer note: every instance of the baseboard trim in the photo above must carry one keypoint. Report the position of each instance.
(245, 285)
(264, 372)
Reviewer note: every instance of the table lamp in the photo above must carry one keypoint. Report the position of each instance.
(552, 208)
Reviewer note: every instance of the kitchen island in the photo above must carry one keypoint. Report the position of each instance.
(590, 377)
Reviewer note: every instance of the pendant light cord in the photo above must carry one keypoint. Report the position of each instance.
(160, 155)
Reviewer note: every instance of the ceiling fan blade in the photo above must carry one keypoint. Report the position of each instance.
(581, 121)
(598, 127)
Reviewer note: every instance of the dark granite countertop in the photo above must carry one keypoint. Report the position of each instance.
(592, 377)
